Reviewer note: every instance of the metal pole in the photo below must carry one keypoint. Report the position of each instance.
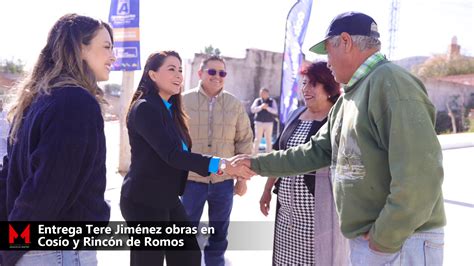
(125, 98)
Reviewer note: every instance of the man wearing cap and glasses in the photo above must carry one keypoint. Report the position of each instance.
(385, 157)
(219, 126)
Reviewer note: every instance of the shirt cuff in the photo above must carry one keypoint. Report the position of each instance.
(214, 165)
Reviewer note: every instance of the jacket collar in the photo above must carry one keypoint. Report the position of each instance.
(156, 99)
(291, 125)
(167, 104)
(365, 69)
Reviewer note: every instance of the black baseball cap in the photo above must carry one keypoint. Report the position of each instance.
(354, 23)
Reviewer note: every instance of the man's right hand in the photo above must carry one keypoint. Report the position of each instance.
(242, 162)
(241, 169)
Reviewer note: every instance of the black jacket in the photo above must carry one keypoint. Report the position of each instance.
(159, 165)
(280, 144)
(55, 171)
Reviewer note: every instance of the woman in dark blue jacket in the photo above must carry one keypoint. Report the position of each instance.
(161, 157)
(55, 166)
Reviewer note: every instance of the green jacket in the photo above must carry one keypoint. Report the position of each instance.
(385, 158)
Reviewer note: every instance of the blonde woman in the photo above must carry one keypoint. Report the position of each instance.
(55, 166)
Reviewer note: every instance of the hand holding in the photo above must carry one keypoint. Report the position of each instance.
(241, 159)
(238, 170)
(264, 106)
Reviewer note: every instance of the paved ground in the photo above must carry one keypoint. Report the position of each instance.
(457, 188)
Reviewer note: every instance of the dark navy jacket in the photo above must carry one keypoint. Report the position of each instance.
(159, 165)
(55, 170)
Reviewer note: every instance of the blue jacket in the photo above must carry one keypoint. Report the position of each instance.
(55, 170)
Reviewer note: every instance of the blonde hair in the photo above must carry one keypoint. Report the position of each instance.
(59, 65)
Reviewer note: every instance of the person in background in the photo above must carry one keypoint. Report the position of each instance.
(218, 125)
(55, 167)
(265, 109)
(306, 225)
(161, 158)
(383, 150)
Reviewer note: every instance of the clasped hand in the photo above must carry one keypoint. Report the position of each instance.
(239, 167)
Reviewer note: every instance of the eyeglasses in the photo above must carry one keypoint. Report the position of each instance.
(213, 72)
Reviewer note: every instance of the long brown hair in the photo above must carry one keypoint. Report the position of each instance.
(59, 64)
(147, 85)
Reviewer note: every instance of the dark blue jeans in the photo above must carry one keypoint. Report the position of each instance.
(219, 197)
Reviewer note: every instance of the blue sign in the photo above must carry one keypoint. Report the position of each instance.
(124, 19)
(296, 24)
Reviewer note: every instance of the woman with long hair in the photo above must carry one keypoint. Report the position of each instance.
(55, 166)
(161, 158)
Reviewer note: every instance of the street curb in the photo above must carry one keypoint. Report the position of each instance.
(456, 141)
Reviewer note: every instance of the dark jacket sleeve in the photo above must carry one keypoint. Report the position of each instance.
(68, 130)
(276, 144)
(150, 124)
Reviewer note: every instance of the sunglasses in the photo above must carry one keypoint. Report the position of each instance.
(213, 72)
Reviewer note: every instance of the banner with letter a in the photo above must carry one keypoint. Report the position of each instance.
(296, 24)
(124, 19)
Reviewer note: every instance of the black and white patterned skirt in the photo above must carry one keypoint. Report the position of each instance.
(294, 226)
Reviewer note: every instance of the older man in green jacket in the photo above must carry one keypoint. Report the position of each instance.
(382, 148)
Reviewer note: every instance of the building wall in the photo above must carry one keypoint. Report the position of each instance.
(440, 92)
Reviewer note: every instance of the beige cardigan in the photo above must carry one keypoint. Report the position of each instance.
(231, 133)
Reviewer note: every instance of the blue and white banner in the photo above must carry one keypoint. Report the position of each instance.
(124, 19)
(296, 24)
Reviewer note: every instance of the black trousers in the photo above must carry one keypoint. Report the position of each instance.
(138, 212)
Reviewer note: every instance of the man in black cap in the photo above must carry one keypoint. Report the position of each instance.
(384, 154)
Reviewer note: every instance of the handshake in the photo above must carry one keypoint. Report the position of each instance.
(238, 167)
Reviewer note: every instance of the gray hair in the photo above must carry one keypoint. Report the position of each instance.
(209, 58)
(361, 41)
